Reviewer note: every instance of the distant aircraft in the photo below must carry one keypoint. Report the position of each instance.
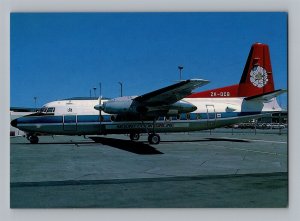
(170, 109)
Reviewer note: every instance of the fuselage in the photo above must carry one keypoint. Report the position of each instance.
(79, 117)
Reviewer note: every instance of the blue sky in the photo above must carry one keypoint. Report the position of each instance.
(61, 55)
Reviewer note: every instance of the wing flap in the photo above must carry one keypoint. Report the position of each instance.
(172, 93)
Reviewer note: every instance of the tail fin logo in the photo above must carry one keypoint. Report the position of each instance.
(258, 76)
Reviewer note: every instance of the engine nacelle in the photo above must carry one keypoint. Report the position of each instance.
(182, 107)
(126, 105)
(172, 110)
(120, 105)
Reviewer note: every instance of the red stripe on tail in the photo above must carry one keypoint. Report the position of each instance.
(257, 77)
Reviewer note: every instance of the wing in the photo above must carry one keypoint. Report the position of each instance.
(171, 94)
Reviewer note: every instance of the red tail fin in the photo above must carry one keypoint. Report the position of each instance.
(257, 77)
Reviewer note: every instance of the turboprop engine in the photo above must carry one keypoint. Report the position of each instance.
(179, 107)
(127, 105)
(120, 105)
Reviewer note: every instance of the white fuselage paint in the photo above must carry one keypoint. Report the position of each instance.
(211, 113)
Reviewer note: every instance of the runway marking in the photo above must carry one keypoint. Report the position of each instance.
(266, 141)
(249, 150)
(254, 151)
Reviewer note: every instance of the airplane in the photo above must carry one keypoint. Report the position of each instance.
(174, 108)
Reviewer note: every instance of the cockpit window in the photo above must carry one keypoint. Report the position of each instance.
(50, 110)
(43, 110)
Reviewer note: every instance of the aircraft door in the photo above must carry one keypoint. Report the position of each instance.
(70, 122)
(211, 116)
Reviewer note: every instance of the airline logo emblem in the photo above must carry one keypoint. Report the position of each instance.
(258, 76)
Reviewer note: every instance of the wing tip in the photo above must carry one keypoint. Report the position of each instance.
(198, 79)
(199, 82)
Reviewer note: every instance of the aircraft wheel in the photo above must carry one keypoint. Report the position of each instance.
(134, 136)
(33, 139)
(154, 139)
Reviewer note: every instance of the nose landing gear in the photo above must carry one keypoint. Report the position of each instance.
(134, 136)
(33, 139)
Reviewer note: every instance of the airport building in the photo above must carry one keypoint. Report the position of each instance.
(278, 118)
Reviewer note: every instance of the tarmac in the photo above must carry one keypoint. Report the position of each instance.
(225, 168)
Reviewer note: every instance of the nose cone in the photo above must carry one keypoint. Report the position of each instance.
(98, 107)
(14, 123)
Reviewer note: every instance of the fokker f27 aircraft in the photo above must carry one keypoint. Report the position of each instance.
(170, 109)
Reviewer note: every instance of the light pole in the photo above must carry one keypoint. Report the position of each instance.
(95, 91)
(180, 70)
(121, 84)
(100, 89)
(35, 98)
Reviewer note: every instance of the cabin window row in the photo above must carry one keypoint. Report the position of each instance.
(188, 116)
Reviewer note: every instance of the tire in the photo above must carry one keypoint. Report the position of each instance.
(33, 139)
(154, 139)
(134, 136)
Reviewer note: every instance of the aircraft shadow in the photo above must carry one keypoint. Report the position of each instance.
(127, 145)
(208, 140)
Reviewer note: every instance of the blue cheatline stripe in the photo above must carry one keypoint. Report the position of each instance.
(88, 118)
(95, 118)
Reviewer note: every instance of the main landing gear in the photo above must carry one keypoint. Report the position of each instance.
(33, 139)
(153, 138)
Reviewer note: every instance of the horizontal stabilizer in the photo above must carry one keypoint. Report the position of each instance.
(266, 96)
